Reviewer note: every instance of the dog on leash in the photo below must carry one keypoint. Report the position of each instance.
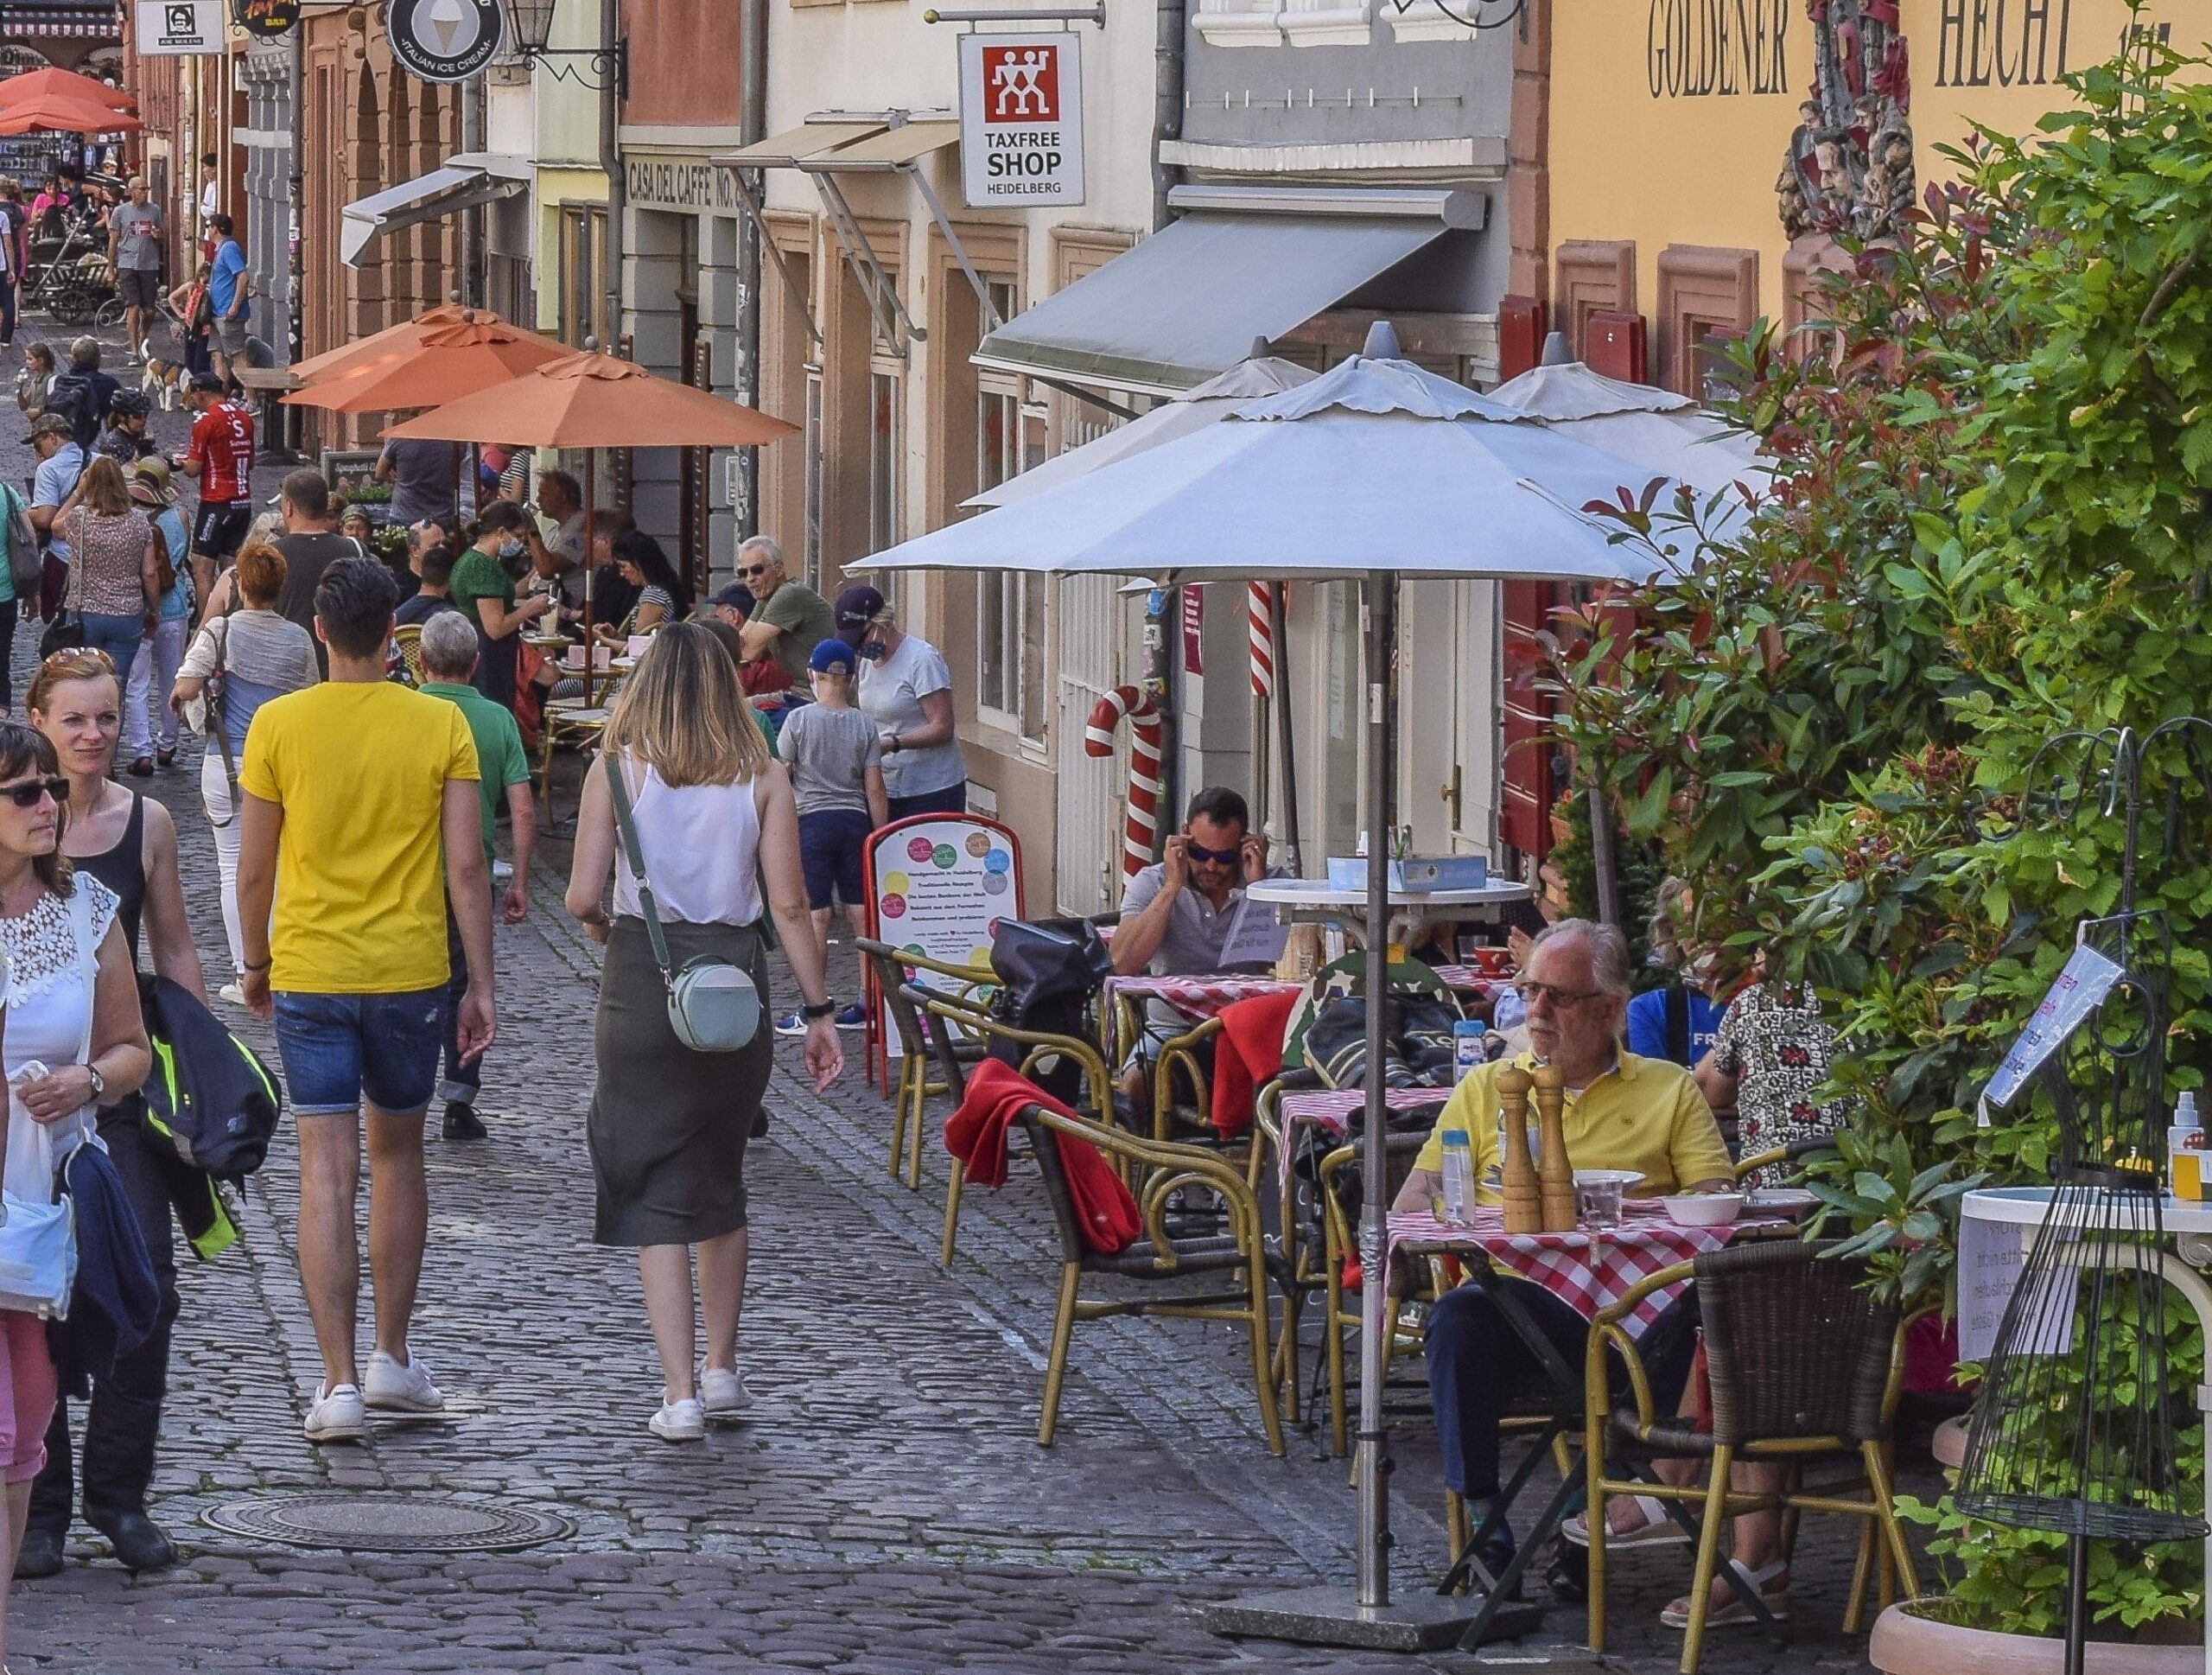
(163, 382)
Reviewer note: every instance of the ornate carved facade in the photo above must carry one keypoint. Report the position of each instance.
(1850, 170)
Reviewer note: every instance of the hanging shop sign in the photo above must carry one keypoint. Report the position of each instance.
(266, 18)
(443, 40)
(175, 28)
(1020, 120)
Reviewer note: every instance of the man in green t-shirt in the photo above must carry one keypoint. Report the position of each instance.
(448, 650)
(789, 619)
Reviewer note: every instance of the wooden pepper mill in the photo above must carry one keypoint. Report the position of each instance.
(1525, 1209)
(1554, 1172)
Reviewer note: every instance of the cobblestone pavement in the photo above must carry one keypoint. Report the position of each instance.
(885, 1509)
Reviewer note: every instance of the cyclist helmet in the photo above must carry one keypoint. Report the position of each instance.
(129, 403)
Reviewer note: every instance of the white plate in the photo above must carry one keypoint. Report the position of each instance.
(1780, 1198)
(1597, 1177)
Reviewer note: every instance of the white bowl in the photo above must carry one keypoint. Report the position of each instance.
(1704, 1209)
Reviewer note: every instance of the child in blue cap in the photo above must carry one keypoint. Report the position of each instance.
(835, 757)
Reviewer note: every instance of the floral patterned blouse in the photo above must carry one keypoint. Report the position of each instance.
(1774, 1042)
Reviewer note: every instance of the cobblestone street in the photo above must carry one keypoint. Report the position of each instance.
(885, 1508)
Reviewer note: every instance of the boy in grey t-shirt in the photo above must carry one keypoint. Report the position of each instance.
(836, 759)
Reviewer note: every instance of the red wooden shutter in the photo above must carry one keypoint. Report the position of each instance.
(1525, 819)
(1613, 344)
(1520, 335)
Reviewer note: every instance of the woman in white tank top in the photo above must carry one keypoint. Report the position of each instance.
(716, 826)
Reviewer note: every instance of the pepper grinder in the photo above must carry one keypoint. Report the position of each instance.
(1554, 1172)
(1524, 1210)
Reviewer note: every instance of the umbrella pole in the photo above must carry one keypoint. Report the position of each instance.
(1371, 1452)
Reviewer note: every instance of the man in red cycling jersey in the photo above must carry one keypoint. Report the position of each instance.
(221, 457)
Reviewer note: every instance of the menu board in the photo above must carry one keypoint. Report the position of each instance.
(939, 885)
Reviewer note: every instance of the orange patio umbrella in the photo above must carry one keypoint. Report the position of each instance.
(393, 339)
(592, 401)
(445, 365)
(58, 113)
(34, 85)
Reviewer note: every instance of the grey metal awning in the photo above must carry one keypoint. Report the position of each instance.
(1243, 262)
(473, 178)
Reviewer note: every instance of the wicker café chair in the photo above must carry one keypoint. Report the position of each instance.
(1804, 1366)
(1156, 1171)
(1340, 1243)
(894, 968)
(954, 1018)
(408, 640)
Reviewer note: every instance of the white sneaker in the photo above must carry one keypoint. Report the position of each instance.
(337, 1416)
(679, 1422)
(401, 1389)
(722, 1393)
(233, 992)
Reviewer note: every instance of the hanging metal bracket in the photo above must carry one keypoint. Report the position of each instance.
(892, 322)
(754, 213)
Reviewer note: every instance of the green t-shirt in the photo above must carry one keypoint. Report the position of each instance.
(477, 575)
(806, 620)
(500, 758)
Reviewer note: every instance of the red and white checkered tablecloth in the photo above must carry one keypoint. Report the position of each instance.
(1329, 1110)
(1197, 998)
(1584, 1270)
(1466, 980)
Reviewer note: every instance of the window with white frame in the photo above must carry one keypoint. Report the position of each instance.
(1010, 607)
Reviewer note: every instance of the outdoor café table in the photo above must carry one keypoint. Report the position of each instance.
(1411, 912)
(1197, 997)
(1586, 1271)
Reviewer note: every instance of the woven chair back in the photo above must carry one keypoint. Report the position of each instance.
(1794, 1346)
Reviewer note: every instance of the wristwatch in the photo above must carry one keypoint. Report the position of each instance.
(100, 1084)
(825, 1010)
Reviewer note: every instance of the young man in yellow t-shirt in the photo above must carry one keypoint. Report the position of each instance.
(1622, 1112)
(360, 814)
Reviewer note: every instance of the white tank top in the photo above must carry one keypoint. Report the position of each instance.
(701, 845)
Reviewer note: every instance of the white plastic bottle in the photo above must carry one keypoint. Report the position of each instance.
(1458, 1178)
(2184, 1151)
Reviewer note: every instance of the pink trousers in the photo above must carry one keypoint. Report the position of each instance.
(27, 1377)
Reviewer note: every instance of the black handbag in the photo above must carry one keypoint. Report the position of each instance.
(65, 631)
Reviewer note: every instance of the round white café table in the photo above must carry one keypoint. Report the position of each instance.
(1312, 900)
(2188, 1224)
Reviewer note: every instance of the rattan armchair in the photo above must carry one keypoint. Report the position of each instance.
(1340, 1242)
(893, 969)
(1796, 1152)
(1804, 1366)
(1157, 1170)
(954, 1017)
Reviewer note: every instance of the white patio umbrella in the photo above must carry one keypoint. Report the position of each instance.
(1653, 429)
(1374, 471)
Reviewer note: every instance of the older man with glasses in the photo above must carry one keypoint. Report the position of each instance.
(789, 619)
(1623, 1112)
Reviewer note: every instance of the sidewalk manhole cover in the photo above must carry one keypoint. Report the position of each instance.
(389, 1523)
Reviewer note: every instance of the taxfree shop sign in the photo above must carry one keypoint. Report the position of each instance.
(1020, 120)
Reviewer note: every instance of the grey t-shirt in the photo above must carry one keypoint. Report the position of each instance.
(1197, 930)
(829, 753)
(423, 478)
(135, 248)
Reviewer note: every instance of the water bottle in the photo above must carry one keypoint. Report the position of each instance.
(1458, 1178)
(1466, 1047)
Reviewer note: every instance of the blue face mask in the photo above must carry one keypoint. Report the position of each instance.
(872, 651)
(510, 550)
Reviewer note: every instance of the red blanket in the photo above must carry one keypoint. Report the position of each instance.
(1250, 1055)
(976, 1134)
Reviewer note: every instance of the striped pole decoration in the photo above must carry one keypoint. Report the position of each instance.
(1259, 614)
(1141, 831)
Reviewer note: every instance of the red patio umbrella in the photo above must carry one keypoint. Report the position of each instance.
(58, 113)
(33, 85)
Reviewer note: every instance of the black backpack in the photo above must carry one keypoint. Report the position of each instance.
(75, 398)
(1049, 971)
(210, 1101)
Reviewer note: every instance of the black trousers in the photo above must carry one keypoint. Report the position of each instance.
(124, 1417)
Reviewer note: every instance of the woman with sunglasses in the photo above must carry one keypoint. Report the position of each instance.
(72, 1012)
(127, 842)
(662, 595)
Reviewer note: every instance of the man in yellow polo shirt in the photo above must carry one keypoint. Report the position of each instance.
(1622, 1112)
(361, 815)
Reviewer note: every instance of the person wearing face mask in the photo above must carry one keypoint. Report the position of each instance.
(483, 586)
(906, 691)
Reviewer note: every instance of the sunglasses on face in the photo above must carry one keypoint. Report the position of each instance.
(1219, 857)
(1559, 998)
(27, 794)
(756, 569)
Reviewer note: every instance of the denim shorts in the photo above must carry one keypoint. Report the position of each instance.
(831, 845)
(341, 1049)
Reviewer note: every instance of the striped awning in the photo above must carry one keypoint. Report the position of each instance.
(72, 18)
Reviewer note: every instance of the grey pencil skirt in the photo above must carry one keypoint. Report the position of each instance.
(668, 1125)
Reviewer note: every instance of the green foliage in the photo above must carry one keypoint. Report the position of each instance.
(1638, 870)
(1991, 524)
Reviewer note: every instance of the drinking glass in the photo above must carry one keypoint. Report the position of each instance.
(1600, 1204)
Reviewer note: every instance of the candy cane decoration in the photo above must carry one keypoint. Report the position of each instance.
(1259, 613)
(1141, 829)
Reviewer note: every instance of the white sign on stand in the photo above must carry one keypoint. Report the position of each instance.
(1020, 120)
(175, 28)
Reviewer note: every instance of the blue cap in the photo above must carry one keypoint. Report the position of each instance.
(833, 656)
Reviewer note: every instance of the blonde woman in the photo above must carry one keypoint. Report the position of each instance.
(715, 817)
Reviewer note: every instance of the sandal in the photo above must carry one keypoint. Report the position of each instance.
(1658, 1530)
(1771, 1582)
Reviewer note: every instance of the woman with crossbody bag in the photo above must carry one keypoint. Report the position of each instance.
(73, 1041)
(20, 575)
(244, 655)
(700, 827)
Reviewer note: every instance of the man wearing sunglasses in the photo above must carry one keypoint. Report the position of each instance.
(789, 619)
(1622, 1112)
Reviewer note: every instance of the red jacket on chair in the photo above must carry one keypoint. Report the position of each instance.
(1249, 1054)
(976, 1134)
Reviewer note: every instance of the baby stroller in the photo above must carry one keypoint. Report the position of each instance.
(70, 279)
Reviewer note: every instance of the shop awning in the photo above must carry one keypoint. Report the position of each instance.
(1242, 262)
(473, 178)
(795, 147)
(46, 18)
(893, 149)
